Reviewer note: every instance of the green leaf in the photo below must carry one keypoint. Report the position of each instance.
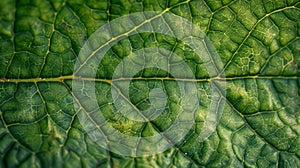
(43, 121)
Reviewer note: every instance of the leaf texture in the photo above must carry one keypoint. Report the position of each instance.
(257, 41)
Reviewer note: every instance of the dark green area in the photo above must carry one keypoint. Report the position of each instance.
(258, 42)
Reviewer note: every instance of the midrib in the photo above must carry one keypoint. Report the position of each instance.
(72, 77)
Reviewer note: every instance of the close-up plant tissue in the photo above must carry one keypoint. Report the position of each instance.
(149, 83)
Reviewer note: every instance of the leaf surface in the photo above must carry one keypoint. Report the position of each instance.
(257, 41)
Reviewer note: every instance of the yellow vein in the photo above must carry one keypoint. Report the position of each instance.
(109, 81)
(126, 34)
